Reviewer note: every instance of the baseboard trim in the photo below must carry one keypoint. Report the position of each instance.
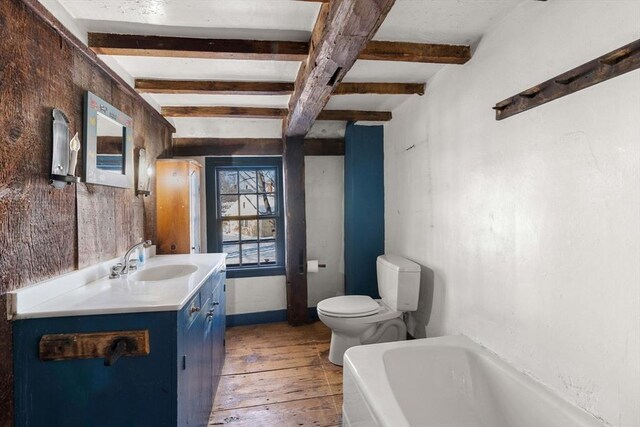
(312, 313)
(256, 318)
(264, 317)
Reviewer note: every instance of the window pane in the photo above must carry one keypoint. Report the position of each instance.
(248, 181)
(233, 254)
(249, 253)
(230, 230)
(267, 229)
(249, 229)
(267, 204)
(267, 181)
(268, 253)
(228, 205)
(228, 181)
(248, 205)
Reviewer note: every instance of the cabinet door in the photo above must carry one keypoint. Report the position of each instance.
(207, 389)
(194, 210)
(219, 330)
(190, 398)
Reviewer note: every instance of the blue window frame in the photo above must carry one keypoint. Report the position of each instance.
(245, 216)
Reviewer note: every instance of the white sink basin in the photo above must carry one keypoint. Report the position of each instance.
(163, 272)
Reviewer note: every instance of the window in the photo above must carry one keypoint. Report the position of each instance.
(244, 214)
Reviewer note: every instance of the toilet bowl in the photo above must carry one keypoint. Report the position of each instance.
(351, 327)
(359, 319)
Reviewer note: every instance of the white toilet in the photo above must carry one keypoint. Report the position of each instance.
(358, 319)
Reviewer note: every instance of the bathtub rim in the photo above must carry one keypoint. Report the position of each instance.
(367, 368)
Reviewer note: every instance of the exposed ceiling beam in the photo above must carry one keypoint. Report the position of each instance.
(341, 32)
(271, 113)
(380, 88)
(213, 87)
(416, 52)
(253, 146)
(183, 47)
(355, 115)
(218, 111)
(268, 88)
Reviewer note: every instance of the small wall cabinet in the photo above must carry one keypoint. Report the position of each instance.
(173, 385)
(178, 206)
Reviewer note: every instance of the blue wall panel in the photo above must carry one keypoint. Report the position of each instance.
(363, 207)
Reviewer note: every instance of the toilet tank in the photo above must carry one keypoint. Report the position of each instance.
(398, 282)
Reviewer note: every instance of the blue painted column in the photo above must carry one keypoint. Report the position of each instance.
(363, 207)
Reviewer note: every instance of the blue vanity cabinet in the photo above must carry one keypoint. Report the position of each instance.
(173, 385)
(201, 338)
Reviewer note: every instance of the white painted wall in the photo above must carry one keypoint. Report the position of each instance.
(324, 192)
(324, 197)
(531, 225)
(256, 294)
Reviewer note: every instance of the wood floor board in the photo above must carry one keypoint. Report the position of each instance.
(248, 359)
(314, 412)
(278, 375)
(275, 335)
(262, 388)
(323, 351)
(333, 375)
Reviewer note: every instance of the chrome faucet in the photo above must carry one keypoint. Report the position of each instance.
(123, 268)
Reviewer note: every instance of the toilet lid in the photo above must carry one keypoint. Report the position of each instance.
(349, 306)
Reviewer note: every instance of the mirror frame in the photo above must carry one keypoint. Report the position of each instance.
(93, 175)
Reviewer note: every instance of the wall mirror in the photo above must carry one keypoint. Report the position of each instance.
(108, 144)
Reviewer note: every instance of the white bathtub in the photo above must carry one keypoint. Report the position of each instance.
(446, 381)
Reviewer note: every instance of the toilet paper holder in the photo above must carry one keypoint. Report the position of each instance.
(313, 265)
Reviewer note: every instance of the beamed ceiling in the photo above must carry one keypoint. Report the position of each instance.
(239, 68)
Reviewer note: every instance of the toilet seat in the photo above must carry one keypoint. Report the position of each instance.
(349, 306)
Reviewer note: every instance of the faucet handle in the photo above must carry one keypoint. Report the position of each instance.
(133, 264)
(115, 271)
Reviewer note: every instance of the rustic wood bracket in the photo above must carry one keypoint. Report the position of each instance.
(109, 345)
(613, 64)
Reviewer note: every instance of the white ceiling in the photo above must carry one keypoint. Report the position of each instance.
(442, 21)
(244, 19)
(202, 69)
(435, 21)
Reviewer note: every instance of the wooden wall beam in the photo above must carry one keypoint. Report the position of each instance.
(355, 115)
(416, 52)
(341, 32)
(183, 47)
(273, 50)
(613, 64)
(192, 147)
(295, 230)
(324, 146)
(221, 87)
(271, 113)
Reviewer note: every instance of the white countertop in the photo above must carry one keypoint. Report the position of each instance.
(109, 296)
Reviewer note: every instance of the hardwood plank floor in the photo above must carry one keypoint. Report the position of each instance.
(278, 375)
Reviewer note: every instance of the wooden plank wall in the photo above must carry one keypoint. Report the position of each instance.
(41, 233)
